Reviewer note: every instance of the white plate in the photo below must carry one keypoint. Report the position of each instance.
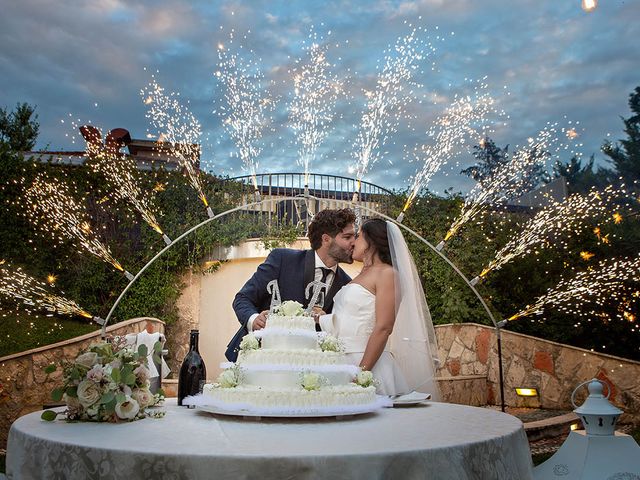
(249, 413)
(413, 398)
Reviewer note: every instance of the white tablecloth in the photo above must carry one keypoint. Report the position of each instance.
(434, 441)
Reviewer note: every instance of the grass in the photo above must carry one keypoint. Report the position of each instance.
(20, 332)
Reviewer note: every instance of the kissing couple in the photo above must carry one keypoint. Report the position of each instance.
(380, 316)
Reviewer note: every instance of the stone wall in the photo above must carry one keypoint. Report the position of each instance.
(25, 388)
(555, 370)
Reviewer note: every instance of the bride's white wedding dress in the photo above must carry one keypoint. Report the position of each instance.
(354, 315)
(408, 362)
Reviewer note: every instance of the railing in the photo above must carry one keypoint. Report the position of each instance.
(327, 191)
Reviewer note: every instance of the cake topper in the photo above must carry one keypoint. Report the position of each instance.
(317, 299)
(272, 288)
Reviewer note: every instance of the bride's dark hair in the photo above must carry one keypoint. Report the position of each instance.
(375, 233)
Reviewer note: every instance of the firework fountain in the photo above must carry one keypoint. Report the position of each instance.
(120, 173)
(180, 132)
(607, 282)
(312, 108)
(245, 109)
(52, 208)
(570, 217)
(511, 179)
(464, 120)
(17, 285)
(387, 102)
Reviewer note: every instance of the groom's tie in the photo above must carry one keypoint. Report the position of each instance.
(323, 279)
(325, 273)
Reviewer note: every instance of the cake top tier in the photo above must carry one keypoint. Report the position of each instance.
(290, 323)
(290, 315)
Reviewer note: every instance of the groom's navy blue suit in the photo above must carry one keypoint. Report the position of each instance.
(294, 270)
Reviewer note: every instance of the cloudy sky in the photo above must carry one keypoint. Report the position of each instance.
(90, 59)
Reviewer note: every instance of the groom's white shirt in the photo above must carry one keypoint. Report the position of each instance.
(317, 277)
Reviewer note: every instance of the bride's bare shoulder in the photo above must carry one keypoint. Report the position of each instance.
(385, 274)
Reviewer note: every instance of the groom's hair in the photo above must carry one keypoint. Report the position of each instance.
(331, 222)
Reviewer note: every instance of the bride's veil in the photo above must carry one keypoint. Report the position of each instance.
(413, 341)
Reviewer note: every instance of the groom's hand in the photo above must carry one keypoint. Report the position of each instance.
(261, 320)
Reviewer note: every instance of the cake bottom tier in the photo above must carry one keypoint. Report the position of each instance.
(329, 400)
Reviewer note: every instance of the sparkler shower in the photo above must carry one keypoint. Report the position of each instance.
(246, 107)
(311, 111)
(15, 284)
(464, 121)
(386, 103)
(120, 173)
(559, 221)
(509, 181)
(180, 132)
(52, 208)
(595, 287)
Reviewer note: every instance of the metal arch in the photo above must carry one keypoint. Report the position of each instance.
(279, 199)
(307, 198)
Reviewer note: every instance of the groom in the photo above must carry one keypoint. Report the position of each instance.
(332, 238)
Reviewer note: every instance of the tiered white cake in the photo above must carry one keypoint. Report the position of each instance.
(288, 369)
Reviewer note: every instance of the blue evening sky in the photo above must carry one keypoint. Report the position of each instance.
(557, 62)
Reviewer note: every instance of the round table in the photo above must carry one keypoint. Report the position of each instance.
(430, 441)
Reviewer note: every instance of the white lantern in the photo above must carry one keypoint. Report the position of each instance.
(598, 452)
(598, 416)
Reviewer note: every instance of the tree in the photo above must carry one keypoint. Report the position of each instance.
(19, 129)
(581, 178)
(625, 155)
(490, 158)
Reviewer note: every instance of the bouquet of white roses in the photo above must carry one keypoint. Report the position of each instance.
(108, 382)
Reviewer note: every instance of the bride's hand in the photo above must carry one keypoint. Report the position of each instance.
(317, 312)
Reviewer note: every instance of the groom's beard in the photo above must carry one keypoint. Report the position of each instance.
(339, 254)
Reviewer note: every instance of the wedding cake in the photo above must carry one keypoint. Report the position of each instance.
(287, 368)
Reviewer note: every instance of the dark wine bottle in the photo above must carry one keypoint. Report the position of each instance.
(192, 372)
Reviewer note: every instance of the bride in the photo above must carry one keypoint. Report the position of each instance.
(381, 316)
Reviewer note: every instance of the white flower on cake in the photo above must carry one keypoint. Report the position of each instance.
(365, 378)
(249, 342)
(228, 378)
(329, 343)
(128, 409)
(312, 381)
(289, 308)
